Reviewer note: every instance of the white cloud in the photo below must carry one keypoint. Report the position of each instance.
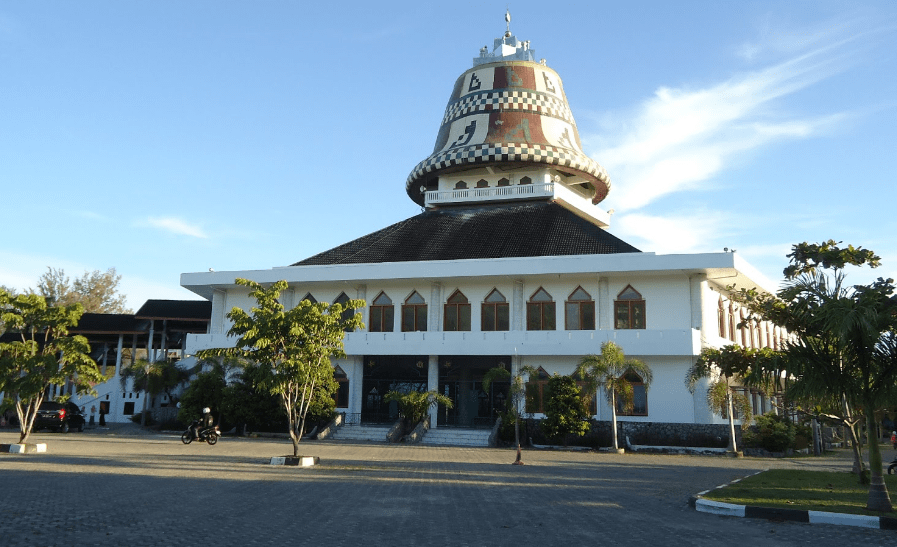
(176, 226)
(683, 233)
(681, 137)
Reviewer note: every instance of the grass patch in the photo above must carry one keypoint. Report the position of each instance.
(809, 490)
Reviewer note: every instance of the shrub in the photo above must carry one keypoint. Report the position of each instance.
(771, 432)
(137, 419)
(565, 412)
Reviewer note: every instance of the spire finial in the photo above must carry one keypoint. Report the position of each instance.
(508, 19)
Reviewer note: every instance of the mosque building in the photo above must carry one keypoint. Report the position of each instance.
(509, 264)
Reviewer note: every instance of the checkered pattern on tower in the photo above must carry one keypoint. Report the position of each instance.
(502, 112)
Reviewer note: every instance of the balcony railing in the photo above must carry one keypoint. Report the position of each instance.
(525, 191)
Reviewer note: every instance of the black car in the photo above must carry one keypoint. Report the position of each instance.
(59, 417)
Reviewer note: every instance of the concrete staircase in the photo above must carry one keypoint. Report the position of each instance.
(456, 437)
(364, 433)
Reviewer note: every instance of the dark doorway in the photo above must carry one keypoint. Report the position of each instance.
(385, 373)
(461, 379)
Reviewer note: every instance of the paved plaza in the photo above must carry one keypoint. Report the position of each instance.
(123, 488)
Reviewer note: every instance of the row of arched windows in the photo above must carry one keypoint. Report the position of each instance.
(579, 312)
(737, 326)
(483, 183)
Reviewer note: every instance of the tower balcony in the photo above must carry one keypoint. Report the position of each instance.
(571, 198)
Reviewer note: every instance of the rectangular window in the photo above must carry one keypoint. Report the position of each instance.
(639, 402)
(495, 317)
(342, 394)
(414, 318)
(629, 314)
(382, 318)
(579, 315)
(457, 317)
(540, 316)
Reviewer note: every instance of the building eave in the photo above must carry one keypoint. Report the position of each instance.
(723, 268)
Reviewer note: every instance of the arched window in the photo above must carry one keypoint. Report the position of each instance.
(579, 311)
(457, 312)
(504, 182)
(414, 313)
(540, 314)
(347, 313)
(482, 183)
(526, 180)
(382, 312)
(495, 312)
(744, 331)
(639, 397)
(460, 185)
(629, 309)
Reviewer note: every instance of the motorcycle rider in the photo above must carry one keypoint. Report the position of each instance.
(203, 423)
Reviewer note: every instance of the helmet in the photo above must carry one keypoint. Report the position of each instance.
(206, 410)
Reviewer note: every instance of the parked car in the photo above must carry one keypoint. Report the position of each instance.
(59, 417)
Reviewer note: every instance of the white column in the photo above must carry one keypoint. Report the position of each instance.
(433, 384)
(361, 293)
(219, 310)
(697, 287)
(518, 307)
(605, 310)
(434, 310)
(356, 381)
(121, 341)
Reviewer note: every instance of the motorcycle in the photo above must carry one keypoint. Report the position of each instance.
(207, 434)
(893, 466)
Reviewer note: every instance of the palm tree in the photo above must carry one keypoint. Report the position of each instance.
(517, 398)
(609, 371)
(152, 378)
(732, 364)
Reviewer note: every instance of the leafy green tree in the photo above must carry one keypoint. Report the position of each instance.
(293, 347)
(724, 367)
(608, 371)
(152, 378)
(97, 291)
(245, 404)
(205, 390)
(843, 342)
(43, 356)
(566, 412)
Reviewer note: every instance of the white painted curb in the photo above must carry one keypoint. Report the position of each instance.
(843, 519)
(719, 508)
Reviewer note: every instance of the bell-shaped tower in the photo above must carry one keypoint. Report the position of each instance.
(507, 135)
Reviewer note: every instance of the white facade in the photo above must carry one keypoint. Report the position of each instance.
(508, 138)
(681, 293)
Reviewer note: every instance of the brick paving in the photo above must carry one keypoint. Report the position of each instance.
(114, 488)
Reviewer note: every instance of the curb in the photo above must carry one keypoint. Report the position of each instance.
(23, 448)
(794, 515)
(298, 461)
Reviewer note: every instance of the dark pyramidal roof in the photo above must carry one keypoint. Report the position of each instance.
(508, 231)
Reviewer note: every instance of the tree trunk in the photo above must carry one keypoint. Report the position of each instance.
(878, 491)
(613, 421)
(733, 446)
(854, 440)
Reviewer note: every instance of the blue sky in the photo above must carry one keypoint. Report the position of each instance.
(168, 137)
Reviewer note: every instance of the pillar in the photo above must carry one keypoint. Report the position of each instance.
(433, 384)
